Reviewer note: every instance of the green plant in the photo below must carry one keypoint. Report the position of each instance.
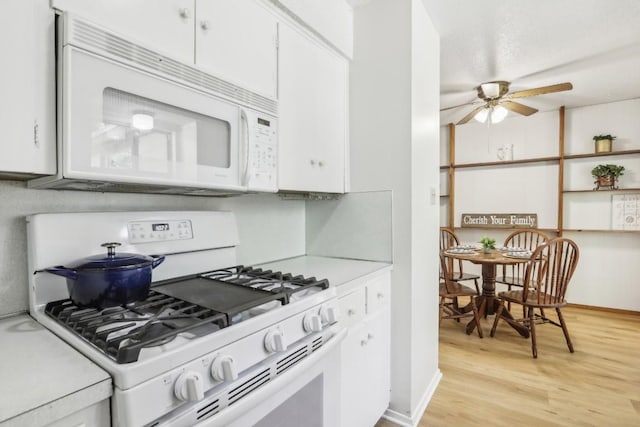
(599, 137)
(488, 243)
(608, 170)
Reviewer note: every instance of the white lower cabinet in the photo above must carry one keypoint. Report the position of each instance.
(365, 382)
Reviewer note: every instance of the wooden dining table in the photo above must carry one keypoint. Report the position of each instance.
(487, 302)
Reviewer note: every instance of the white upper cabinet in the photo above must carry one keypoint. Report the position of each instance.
(313, 114)
(27, 87)
(231, 39)
(165, 25)
(237, 41)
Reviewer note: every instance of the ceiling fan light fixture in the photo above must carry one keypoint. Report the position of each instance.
(482, 115)
(491, 90)
(498, 114)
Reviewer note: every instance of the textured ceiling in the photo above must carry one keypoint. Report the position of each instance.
(594, 44)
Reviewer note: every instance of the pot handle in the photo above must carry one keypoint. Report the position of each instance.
(60, 270)
(111, 248)
(157, 260)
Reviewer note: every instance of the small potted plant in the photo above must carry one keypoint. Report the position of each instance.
(603, 143)
(488, 244)
(607, 175)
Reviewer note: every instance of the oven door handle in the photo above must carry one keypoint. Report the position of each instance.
(229, 414)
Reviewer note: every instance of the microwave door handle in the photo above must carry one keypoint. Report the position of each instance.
(245, 147)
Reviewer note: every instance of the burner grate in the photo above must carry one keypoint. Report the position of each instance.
(272, 281)
(122, 332)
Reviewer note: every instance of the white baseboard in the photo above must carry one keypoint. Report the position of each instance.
(403, 420)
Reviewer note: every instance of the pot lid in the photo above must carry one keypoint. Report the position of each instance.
(111, 259)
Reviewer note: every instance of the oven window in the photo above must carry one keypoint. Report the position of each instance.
(304, 408)
(152, 137)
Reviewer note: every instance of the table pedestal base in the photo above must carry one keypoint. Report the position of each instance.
(488, 305)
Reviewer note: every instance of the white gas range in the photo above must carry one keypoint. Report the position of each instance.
(213, 344)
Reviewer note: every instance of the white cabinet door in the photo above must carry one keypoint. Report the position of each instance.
(365, 372)
(378, 364)
(166, 26)
(236, 41)
(313, 107)
(27, 110)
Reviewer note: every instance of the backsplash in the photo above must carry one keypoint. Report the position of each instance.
(269, 228)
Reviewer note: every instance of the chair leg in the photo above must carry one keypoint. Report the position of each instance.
(532, 329)
(564, 329)
(509, 303)
(475, 281)
(495, 321)
(456, 307)
(476, 316)
(442, 301)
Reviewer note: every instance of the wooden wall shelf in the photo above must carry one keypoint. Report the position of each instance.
(588, 155)
(504, 162)
(594, 230)
(619, 190)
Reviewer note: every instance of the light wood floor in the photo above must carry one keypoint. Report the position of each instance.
(496, 382)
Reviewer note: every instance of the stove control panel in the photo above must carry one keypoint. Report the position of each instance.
(159, 231)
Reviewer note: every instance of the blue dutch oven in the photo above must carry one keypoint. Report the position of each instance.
(105, 281)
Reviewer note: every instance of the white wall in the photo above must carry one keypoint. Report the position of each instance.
(269, 228)
(357, 226)
(394, 145)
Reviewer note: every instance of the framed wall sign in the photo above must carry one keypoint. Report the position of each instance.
(499, 220)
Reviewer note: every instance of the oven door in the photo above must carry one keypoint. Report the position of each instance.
(307, 395)
(121, 124)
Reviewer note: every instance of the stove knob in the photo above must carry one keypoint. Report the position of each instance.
(224, 368)
(312, 323)
(189, 386)
(329, 314)
(274, 341)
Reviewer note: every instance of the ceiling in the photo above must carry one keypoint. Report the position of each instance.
(594, 44)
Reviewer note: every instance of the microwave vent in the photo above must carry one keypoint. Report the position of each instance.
(90, 37)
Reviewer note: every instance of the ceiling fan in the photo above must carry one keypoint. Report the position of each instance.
(496, 100)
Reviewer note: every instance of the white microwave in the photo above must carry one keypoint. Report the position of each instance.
(131, 119)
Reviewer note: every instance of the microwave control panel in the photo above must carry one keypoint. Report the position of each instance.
(263, 153)
(159, 231)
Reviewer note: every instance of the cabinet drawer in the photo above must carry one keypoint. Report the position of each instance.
(352, 307)
(378, 293)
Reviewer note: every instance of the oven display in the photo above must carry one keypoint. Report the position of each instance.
(264, 122)
(155, 231)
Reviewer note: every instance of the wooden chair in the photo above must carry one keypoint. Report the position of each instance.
(546, 279)
(513, 274)
(448, 239)
(450, 290)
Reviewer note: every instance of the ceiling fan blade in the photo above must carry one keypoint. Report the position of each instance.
(516, 107)
(460, 105)
(469, 116)
(540, 90)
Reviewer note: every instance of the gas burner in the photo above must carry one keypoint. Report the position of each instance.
(155, 332)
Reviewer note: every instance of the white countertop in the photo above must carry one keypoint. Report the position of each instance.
(43, 379)
(339, 271)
